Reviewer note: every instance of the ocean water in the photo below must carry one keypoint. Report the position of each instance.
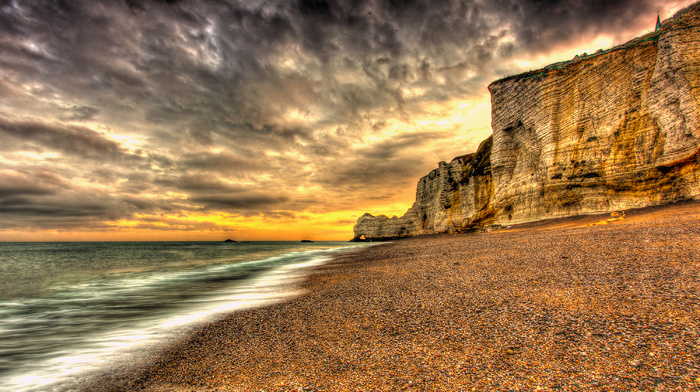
(70, 311)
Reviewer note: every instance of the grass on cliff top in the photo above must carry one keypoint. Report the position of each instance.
(562, 65)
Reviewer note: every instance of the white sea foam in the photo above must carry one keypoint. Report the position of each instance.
(116, 326)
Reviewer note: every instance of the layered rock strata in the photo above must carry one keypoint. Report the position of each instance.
(454, 197)
(615, 130)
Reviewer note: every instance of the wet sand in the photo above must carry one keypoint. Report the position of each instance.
(559, 305)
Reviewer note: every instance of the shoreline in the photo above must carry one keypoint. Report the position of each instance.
(559, 305)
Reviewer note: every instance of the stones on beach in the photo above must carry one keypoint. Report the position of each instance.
(402, 316)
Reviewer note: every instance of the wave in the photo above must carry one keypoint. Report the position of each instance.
(56, 342)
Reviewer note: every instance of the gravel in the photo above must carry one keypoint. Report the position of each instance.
(561, 305)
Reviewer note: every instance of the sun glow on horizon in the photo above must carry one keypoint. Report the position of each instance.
(333, 226)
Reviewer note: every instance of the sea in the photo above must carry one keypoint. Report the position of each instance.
(71, 311)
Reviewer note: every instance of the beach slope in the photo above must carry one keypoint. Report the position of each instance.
(568, 304)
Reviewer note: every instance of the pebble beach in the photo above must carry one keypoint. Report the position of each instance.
(585, 303)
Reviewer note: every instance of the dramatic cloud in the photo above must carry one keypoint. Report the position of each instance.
(66, 139)
(265, 119)
(14, 184)
(240, 202)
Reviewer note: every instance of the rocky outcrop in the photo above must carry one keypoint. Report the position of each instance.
(615, 130)
(454, 197)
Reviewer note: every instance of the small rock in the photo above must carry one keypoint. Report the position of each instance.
(636, 363)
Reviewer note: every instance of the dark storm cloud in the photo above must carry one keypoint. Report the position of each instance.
(14, 184)
(540, 25)
(221, 162)
(166, 46)
(245, 201)
(45, 197)
(218, 60)
(380, 167)
(200, 184)
(66, 208)
(370, 173)
(390, 148)
(52, 208)
(78, 113)
(55, 208)
(141, 204)
(197, 183)
(67, 138)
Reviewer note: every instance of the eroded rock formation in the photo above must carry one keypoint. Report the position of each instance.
(454, 197)
(615, 130)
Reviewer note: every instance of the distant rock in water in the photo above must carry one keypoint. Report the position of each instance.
(306, 241)
(610, 131)
(229, 240)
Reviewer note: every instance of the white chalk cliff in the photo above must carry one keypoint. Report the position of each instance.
(610, 131)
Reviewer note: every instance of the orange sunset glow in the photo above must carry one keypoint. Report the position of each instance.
(183, 120)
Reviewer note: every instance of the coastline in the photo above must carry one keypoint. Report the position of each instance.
(559, 305)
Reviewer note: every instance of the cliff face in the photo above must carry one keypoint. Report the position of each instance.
(615, 130)
(612, 131)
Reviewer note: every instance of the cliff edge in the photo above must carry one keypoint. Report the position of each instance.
(615, 130)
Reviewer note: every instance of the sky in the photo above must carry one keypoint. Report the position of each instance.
(258, 120)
